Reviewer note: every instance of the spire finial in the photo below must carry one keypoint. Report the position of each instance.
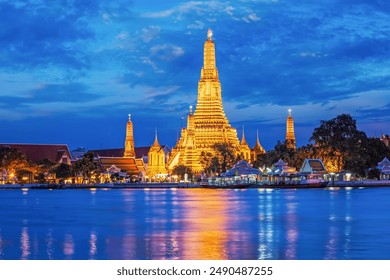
(129, 117)
(190, 109)
(289, 111)
(209, 34)
(155, 138)
(243, 140)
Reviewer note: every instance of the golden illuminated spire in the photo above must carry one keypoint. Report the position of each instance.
(129, 142)
(243, 140)
(156, 144)
(209, 34)
(257, 149)
(207, 125)
(290, 136)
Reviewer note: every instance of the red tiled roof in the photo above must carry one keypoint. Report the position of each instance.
(127, 164)
(118, 152)
(141, 151)
(316, 165)
(39, 152)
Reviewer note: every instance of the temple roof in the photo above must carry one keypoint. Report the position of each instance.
(280, 163)
(258, 146)
(39, 152)
(117, 152)
(127, 164)
(241, 168)
(384, 162)
(312, 165)
(243, 140)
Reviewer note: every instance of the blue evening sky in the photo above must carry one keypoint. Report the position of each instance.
(72, 70)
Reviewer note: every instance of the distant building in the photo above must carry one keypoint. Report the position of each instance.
(312, 166)
(242, 168)
(244, 147)
(129, 142)
(57, 153)
(142, 162)
(290, 135)
(281, 168)
(157, 161)
(384, 168)
(257, 149)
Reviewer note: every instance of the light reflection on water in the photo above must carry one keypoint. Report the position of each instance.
(195, 224)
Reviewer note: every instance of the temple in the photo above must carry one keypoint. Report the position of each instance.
(129, 142)
(156, 163)
(290, 136)
(257, 149)
(207, 125)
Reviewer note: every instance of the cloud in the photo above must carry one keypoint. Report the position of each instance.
(34, 35)
(166, 52)
(150, 32)
(251, 18)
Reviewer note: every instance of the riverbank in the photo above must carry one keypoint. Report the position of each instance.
(363, 183)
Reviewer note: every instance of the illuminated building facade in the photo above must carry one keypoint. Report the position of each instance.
(290, 136)
(129, 142)
(156, 167)
(257, 149)
(244, 147)
(208, 125)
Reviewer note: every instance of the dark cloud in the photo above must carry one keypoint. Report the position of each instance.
(35, 35)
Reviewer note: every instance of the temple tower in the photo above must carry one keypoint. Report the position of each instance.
(156, 168)
(257, 149)
(208, 124)
(244, 147)
(129, 142)
(290, 136)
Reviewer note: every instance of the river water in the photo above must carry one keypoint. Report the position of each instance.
(195, 224)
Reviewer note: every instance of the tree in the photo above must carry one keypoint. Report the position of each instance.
(367, 155)
(86, 167)
(180, 170)
(14, 163)
(337, 140)
(281, 151)
(222, 158)
(63, 171)
(45, 167)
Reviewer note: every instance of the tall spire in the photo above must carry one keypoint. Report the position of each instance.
(207, 124)
(209, 62)
(129, 142)
(257, 138)
(156, 144)
(290, 136)
(258, 148)
(243, 140)
(209, 34)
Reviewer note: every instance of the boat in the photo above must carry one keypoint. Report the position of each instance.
(222, 183)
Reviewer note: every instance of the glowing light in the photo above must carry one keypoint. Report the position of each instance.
(209, 34)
